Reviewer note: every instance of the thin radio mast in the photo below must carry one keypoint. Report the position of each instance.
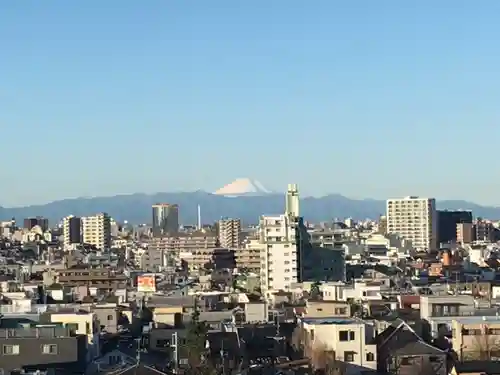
(199, 217)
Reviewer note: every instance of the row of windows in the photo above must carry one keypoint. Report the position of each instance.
(338, 311)
(480, 332)
(15, 349)
(349, 357)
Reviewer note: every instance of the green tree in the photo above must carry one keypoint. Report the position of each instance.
(315, 292)
(194, 349)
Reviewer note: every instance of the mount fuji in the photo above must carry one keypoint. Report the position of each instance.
(243, 187)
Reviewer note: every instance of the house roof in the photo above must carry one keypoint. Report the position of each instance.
(486, 367)
(140, 369)
(418, 348)
(403, 340)
(383, 336)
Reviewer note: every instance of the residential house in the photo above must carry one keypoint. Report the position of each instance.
(401, 351)
(476, 340)
(349, 340)
(81, 322)
(439, 311)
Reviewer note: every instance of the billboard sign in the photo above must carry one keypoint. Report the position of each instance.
(146, 283)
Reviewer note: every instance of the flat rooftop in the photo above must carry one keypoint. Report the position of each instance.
(332, 320)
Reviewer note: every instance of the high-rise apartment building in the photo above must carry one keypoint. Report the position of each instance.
(72, 231)
(31, 222)
(415, 219)
(465, 233)
(165, 219)
(447, 224)
(97, 230)
(484, 231)
(282, 238)
(229, 233)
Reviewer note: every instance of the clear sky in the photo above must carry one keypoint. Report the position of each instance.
(365, 98)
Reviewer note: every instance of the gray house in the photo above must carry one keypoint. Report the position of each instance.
(400, 351)
(41, 349)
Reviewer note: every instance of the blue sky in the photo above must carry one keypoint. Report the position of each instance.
(364, 98)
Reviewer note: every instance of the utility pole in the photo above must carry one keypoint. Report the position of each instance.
(175, 347)
(138, 350)
(277, 317)
(222, 358)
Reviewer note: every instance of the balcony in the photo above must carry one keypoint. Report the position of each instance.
(40, 332)
(458, 313)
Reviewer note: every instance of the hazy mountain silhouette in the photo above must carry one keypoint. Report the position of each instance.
(136, 208)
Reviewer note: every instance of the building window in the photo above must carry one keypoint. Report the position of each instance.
(49, 349)
(370, 357)
(348, 356)
(351, 336)
(406, 361)
(163, 343)
(110, 317)
(339, 310)
(344, 336)
(10, 350)
(73, 327)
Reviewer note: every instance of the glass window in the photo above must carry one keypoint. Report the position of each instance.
(49, 349)
(10, 349)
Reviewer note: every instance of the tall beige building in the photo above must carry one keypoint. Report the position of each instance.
(415, 219)
(229, 232)
(96, 230)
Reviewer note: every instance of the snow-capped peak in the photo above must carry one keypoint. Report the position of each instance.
(243, 186)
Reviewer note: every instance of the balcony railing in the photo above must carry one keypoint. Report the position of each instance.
(476, 312)
(40, 332)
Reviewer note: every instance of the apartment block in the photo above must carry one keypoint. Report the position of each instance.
(484, 231)
(415, 219)
(438, 312)
(218, 258)
(72, 231)
(248, 256)
(92, 278)
(184, 242)
(47, 347)
(97, 230)
(229, 233)
(281, 255)
(465, 233)
(165, 219)
(31, 222)
(447, 224)
(476, 339)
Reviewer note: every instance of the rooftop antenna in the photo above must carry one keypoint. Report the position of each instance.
(199, 217)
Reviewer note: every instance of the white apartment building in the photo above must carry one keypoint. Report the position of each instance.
(415, 219)
(281, 253)
(350, 339)
(96, 230)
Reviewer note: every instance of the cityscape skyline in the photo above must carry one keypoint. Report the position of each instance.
(390, 96)
(249, 187)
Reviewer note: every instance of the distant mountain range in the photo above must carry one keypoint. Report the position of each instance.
(136, 208)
